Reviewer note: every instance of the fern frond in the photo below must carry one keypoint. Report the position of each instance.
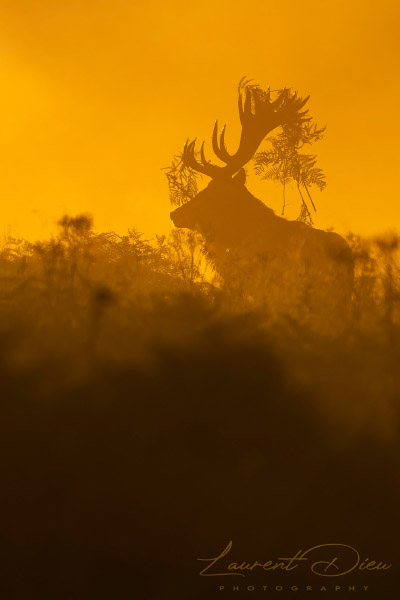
(182, 182)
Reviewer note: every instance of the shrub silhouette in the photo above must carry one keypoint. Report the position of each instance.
(150, 416)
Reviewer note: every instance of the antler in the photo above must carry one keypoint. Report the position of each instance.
(256, 125)
(205, 167)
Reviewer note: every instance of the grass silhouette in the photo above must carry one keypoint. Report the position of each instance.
(151, 413)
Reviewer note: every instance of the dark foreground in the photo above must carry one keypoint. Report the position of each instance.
(143, 430)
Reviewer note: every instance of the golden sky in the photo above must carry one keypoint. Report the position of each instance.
(98, 95)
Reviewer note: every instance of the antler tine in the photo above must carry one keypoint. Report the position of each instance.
(204, 161)
(189, 160)
(220, 149)
(293, 105)
(290, 112)
(247, 102)
(191, 147)
(283, 95)
(240, 105)
(298, 103)
(215, 140)
(244, 82)
(244, 108)
(224, 152)
(259, 103)
(188, 157)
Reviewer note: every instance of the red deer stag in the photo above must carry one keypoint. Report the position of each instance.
(287, 263)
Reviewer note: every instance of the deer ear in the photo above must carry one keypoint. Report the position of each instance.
(240, 178)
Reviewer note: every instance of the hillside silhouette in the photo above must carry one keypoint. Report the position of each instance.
(150, 414)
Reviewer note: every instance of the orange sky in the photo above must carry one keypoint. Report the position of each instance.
(98, 95)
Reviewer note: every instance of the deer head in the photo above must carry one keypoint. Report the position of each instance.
(222, 209)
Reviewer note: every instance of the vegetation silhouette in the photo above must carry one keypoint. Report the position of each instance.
(242, 234)
(284, 163)
(149, 417)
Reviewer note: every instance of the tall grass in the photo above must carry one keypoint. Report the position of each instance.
(152, 412)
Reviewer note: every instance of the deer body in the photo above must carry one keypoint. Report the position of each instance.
(250, 245)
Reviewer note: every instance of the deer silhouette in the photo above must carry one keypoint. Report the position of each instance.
(289, 260)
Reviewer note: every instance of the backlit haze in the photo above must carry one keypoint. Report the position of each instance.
(98, 95)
